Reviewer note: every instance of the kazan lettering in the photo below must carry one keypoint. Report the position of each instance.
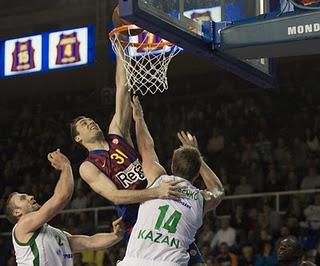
(160, 238)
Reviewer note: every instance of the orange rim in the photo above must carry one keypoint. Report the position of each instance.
(126, 28)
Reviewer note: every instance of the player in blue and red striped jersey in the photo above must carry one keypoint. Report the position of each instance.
(112, 168)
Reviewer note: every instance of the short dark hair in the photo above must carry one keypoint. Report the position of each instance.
(186, 162)
(290, 250)
(73, 129)
(8, 209)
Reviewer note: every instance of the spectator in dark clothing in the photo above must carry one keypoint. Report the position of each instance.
(247, 257)
(225, 257)
(268, 256)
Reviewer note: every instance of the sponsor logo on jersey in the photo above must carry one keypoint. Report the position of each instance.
(67, 256)
(68, 49)
(131, 174)
(190, 194)
(184, 204)
(115, 141)
(23, 56)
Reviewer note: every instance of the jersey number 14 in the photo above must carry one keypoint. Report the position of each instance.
(171, 224)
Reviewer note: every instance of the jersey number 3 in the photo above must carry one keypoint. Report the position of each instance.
(171, 224)
(119, 156)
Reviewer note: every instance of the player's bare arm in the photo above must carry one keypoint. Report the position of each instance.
(150, 162)
(104, 187)
(215, 192)
(79, 243)
(62, 195)
(121, 121)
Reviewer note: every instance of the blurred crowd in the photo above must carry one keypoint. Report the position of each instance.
(256, 141)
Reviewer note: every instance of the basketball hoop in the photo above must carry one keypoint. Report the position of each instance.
(145, 56)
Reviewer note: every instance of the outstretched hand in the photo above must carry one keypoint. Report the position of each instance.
(187, 140)
(137, 111)
(58, 160)
(170, 190)
(118, 227)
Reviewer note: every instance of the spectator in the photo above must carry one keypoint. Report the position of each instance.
(284, 233)
(239, 221)
(206, 252)
(81, 201)
(263, 147)
(307, 238)
(295, 207)
(207, 234)
(312, 141)
(282, 155)
(273, 179)
(292, 223)
(243, 187)
(299, 153)
(226, 234)
(312, 180)
(225, 257)
(272, 217)
(268, 256)
(216, 142)
(247, 257)
(291, 180)
(312, 213)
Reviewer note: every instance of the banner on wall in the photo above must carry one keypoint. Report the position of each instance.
(68, 48)
(47, 51)
(23, 55)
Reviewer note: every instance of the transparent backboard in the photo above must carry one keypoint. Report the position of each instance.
(191, 16)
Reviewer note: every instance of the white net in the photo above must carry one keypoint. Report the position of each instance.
(146, 59)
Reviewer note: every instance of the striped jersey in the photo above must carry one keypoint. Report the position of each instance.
(121, 164)
(165, 228)
(48, 246)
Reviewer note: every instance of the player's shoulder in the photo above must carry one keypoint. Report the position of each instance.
(169, 178)
(115, 139)
(87, 168)
(20, 229)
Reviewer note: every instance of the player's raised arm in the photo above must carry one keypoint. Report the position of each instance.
(106, 188)
(61, 197)
(150, 162)
(121, 121)
(215, 192)
(79, 243)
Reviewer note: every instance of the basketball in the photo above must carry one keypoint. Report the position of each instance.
(118, 22)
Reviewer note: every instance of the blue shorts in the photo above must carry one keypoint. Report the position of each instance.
(195, 255)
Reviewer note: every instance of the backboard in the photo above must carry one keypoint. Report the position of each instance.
(194, 24)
